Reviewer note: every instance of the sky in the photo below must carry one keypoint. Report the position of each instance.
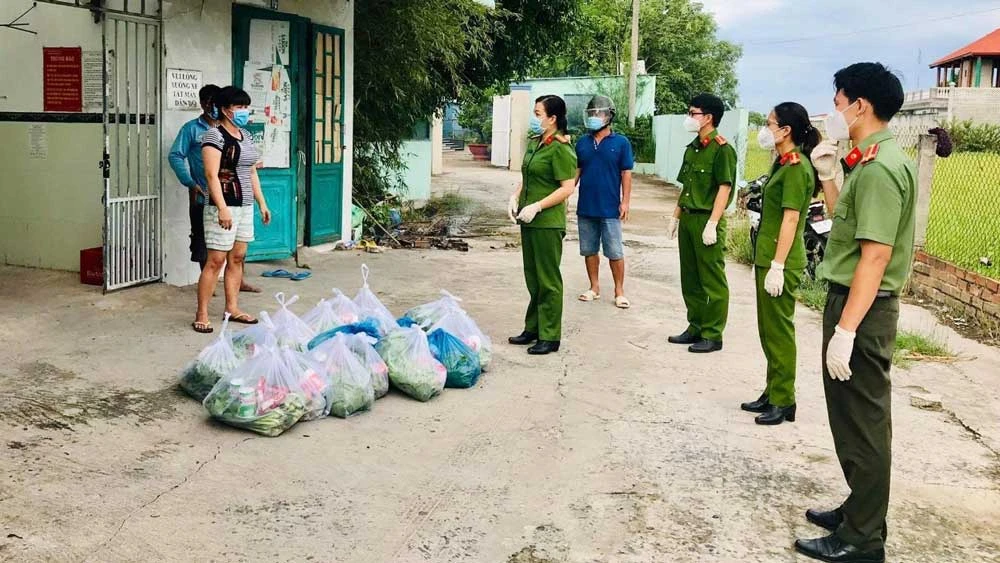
(792, 49)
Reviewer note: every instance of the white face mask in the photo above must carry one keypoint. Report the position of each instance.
(692, 125)
(837, 127)
(765, 138)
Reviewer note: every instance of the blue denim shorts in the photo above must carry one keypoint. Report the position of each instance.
(597, 232)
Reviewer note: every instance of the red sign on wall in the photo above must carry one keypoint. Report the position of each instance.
(62, 69)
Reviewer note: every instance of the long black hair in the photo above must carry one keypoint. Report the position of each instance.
(804, 135)
(555, 107)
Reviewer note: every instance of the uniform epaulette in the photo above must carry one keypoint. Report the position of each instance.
(870, 154)
(791, 158)
(721, 140)
(852, 159)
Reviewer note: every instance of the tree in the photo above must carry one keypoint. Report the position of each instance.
(757, 119)
(677, 39)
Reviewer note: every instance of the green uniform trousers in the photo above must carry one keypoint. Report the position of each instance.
(541, 250)
(776, 327)
(703, 277)
(861, 419)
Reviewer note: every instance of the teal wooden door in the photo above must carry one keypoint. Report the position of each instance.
(326, 170)
(270, 62)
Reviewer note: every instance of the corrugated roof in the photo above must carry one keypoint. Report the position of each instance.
(988, 46)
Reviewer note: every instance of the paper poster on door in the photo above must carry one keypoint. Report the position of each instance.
(280, 37)
(278, 109)
(276, 147)
(257, 83)
(261, 41)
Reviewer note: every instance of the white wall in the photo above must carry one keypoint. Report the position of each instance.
(671, 140)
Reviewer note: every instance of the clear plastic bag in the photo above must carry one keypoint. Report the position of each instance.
(412, 368)
(263, 395)
(332, 313)
(369, 306)
(247, 342)
(363, 347)
(216, 361)
(367, 327)
(428, 314)
(351, 384)
(313, 380)
(289, 329)
(457, 357)
(460, 324)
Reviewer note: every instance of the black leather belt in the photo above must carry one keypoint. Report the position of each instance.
(837, 289)
(696, 211)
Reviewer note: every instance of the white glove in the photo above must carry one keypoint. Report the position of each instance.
(672, 227)
(529, 212)
(838, 354)
(774, 281)
(512, 207)
(710, 235)
(824, 160)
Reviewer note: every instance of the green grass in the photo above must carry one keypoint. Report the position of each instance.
(812, 293)
(449, 204)
(759, 161)
(916, 346)
(738, 241)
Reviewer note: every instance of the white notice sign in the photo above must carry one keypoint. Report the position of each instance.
(93, 82)
(38, 141)
(182, 89)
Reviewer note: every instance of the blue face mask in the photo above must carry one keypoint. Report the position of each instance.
(535, 125)
(214, 114)
(595, 123)
(241, 117)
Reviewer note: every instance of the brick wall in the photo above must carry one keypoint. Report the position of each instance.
(965, 292)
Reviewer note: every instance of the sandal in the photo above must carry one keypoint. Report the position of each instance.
(589, 295)
(277, 274)
(622, 302)
(299, 276)
(202, 328)
(243, 319)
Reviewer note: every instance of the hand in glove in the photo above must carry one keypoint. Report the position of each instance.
(512, 207)
(838, 354)
(672, 227)
(529, 212)
(710, 235)
(774, 281)
(824, 160)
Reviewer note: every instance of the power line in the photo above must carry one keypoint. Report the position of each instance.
(873, 29)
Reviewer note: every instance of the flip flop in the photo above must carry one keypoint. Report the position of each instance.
(277, 274)
(243, 319)
(299, 276)
(202, 328)
(589, 295)
(622, 302)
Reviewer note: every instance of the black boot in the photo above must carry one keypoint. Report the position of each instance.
(683, 338)
(776, 415)
(760, 405)
(835, 550)
(523, 339)
(705, 346)
(543, 347)
(829, 520)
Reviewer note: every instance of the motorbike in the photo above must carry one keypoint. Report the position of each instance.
(817, 228)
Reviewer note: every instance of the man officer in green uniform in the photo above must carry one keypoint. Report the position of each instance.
(867, 262)
(708, 174)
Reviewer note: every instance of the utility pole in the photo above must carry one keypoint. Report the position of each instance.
(633, 76)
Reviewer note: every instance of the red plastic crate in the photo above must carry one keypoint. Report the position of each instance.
(92, 266)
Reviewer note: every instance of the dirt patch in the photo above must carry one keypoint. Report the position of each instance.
(529, 555)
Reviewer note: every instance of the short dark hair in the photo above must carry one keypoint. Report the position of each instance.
(231, 96)
(708, 103)
(208, 93)
(555, 107)
(873, 82)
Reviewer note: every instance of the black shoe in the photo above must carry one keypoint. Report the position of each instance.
(705, 346)
(683, 338)
(760, 405)
(829, 519)
(543, 347)
(776, 415)
(835, 550)
(523, 339)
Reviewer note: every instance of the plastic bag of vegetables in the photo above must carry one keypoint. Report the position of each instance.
(332, 313)
(369, 306)
(263, 395)
(247, 342)
(363, 347)
(367, 327)
(351, 383)
(289, 329)
(412, 368)
(460, 324)
(457, 357)
(216, 361)
(313, 380)
(428, 314)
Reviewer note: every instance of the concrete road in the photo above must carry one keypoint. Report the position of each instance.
(619, 449)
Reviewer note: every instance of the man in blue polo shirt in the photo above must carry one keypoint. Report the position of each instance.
(605, 162)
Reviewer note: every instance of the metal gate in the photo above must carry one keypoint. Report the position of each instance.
(501, 131)
(132, 160)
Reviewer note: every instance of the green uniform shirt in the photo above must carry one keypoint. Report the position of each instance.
(708, 164)
(791, 186)
(877, 203)
(545, 166)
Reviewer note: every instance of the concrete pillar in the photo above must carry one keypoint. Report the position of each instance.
(521, 107)
(437, 145)
(926, 155)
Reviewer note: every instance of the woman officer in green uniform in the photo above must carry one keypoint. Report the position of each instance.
(548, 178)
(780, 255)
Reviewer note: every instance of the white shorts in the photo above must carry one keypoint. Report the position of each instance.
(217, 238)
